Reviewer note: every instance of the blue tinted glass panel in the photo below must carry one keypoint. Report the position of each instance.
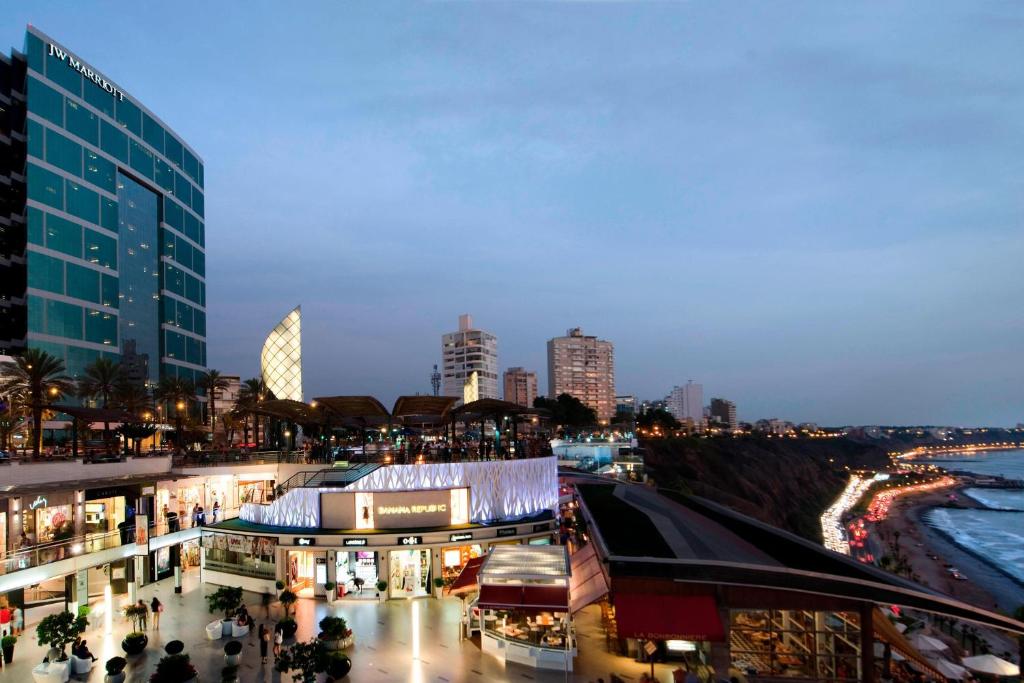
(128, 115)
(36, 314)
(63, 152)
(108, 214)
(81, 122)
(183, 252)
(35, 226)
(172, 149)
(191, 227)
(174, 279)
(45, 101)
(202, 234)
(79, 359)
(113, 141)
(63, 320)
(175, 345)
(45, 186)
(83, 202)
(83, 283)
(100, 171)
(173, 214)
(45, 272)
(184, 316)
(139, 269)
(192, 291)
(198, 203)
(142, 159)
(108, 290)
(35, 138)
(164, 175)
(168, 310)
(199, 323)
(69, 78)
(199, 262)
(152, 132)
(35, 51)
(64, 236)
(166, 243)
(191, 165)
(193, 353)
(100, 249)
(101, 99)
(182, 189)
(100, 327)
(202, 183)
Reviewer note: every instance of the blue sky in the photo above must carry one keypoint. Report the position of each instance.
(815, 209)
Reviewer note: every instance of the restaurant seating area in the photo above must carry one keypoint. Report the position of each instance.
(543, 629)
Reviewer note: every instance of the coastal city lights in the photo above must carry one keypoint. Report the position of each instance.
(833, 530)
(880, 504)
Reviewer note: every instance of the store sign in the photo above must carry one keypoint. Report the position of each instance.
(410, 540)
(463, 536)
(39, 502)
(129, 493)
(84, 69)
(305, 540)
(149, 490)
(510, 531)
(355, 542)
(541, 527)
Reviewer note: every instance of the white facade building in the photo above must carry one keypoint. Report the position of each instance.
(467, 351)
(687, 403)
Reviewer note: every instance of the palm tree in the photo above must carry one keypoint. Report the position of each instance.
(177, 393)
(254, 391)
(212, 382)
(36, 379)
(100, 381)
(232, 420)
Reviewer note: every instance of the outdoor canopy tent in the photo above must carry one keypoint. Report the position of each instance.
(587, 583)
(992, 665)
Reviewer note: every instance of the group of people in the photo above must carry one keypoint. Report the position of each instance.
(12, 619)
(199, 514)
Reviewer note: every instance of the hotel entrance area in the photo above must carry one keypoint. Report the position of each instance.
(410, 573)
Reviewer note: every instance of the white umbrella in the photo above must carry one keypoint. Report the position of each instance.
(948, 669)
(923, 643)
(990, 664)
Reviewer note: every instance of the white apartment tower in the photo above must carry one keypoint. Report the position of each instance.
(467, 351)
(583, 367)
(687, 403)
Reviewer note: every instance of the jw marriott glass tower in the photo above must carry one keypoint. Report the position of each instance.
(101, 221)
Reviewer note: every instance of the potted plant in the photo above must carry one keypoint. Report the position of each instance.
(304, 660)
(229, 674)
(225, 599)
(115, 670)
(7, 643)
(382, 587)
(174, 669)
(287, 599)
(232, 652)
(279, 584)
(288, 627)
(338, 665)
(330, 587)
(135, 642)
(335, 633)
(57, 630)
(438, 587)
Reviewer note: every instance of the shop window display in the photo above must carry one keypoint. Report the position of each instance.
(454, 559)
(243, 555)
(356, 570)
(410, 573)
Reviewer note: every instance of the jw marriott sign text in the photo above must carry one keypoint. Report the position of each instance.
(84, 69)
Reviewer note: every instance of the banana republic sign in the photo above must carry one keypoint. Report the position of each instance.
(86, 70)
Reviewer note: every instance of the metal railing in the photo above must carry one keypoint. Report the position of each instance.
(54, 551)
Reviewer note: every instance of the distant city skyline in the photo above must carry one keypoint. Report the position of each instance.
(814, 218)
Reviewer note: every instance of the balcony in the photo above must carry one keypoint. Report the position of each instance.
(25, 471)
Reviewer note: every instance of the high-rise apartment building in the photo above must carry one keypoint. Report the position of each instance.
(626, 404)
(467, 351)
(724, 412)
(584, 367)
(101, 222)
(686, 403)
(520, 386)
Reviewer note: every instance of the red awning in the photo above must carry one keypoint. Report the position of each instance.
(466, 580)
(655, 616)
(541, 598)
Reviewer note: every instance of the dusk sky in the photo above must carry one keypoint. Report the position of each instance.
(813, 209)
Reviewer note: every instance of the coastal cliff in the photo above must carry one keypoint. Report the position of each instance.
(785, 482)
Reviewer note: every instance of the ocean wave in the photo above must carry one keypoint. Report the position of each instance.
(996, 537)
(998, 499)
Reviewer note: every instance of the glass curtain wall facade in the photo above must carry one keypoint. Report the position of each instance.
(109, 254)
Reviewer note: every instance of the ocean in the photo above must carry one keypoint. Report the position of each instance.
(997, 535)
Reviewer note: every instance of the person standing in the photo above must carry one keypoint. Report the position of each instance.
(195, 515)
(266, 599)
(157, 607)
(264, 643)
(17, 619)
(5, 620)
(278, 641)
(216, 510)
(144, 614)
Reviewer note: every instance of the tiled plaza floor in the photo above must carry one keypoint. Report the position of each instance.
(398, 640)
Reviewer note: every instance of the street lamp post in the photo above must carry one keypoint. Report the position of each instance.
(178, 407)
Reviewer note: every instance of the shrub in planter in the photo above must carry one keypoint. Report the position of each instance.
(438, 585)
(334, 631)
(58, 630)
(175, 647)
(231, 652)
(115, 670)
(288, 627)
(287, 599)
(225, 599)
(7, 644)
(382, 586)
(134, 643)
(304, 660)
(229, 674)
(338, 665)
(329, 587)
(279, 584)
(174, 669)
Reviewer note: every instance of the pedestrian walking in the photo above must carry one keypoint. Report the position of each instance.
(157, 607)
(216, 510)
(278, 641)
(195, 515)
(265, 601)
(17, 619)
(144, 613)
(264, 643)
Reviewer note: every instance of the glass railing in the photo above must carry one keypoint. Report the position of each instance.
(54, 551)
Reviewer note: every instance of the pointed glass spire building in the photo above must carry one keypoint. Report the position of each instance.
(281, 360)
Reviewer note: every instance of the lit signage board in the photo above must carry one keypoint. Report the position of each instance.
(417, 509)
(410, 540)
(305, 540)
(463, 536)
(355, 542)
(86, 70)
(510, 531)
(39, 502)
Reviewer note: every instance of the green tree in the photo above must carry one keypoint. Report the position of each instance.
(57, 630)
(254, 391)
(36, 380)
(99, 383)
(659, 418)
(135, 400)
(567, 410)
(177, 395)
(212, 382)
